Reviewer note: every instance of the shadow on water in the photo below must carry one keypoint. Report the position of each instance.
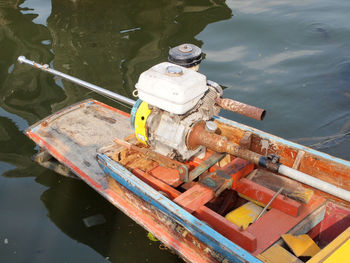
(115, 236)
(109, 44)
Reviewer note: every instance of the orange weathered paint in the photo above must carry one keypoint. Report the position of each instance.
(263, 195)
(195, 197)
(269, 228)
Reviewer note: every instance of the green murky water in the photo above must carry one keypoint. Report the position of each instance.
(290, 57)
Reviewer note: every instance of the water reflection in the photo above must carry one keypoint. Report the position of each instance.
(257, 7)
(25, 95)
(41, 8)
(266, 64)
(109, 43)
(24, 92)
(106, 45)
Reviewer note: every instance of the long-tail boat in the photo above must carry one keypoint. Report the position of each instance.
(211, 189)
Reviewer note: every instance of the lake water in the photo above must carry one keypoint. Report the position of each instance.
(290, 57)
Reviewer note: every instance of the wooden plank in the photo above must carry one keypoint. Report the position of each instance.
(216, 181)
(342, 254)
(246, 140)
(188, 185)
(301, 245)
(139, 211)
(197, 228)
(336, 220)
(226, 177)
(291, 188)
(205, 165)
(242, 238)
(277, 254)
(307, 223)
(342, 242)
(298, 159)
(228, 158)
(270, 226)
(263, 195)
(157, 184)
(195, 197)
(168, 176)
(217, 222)
(237, 168)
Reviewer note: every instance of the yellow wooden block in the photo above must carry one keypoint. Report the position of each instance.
(341, 255)
(338, 251)
(277, 254)
(244, 215)
(301, 245)
(252, 200)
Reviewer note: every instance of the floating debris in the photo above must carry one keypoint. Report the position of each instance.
(94, 220)
(130, 30)
(10, 69)
(6, 241)
(152, 237)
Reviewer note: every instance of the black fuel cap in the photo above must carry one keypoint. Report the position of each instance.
(185, 55)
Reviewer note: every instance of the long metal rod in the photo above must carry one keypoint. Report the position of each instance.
(268, 204)
(97, 89)
(314, 182)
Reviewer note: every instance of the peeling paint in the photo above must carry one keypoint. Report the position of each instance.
(264, 146)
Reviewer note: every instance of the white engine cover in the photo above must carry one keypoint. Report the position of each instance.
(173, 93)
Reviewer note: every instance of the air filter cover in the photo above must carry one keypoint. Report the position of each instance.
(185, 55)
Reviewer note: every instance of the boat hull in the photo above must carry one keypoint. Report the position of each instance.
(75, 135)
(71, 139)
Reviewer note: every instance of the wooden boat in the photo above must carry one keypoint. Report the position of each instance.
(189, 217)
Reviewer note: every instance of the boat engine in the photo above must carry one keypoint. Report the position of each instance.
(173, 98)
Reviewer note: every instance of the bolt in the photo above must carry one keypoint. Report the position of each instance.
(185, 48)
(211, 126)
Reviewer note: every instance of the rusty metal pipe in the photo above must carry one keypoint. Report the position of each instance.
(241, 108)
(200, 136)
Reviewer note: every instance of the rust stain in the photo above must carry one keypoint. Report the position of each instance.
(131, 160)
(241, 108)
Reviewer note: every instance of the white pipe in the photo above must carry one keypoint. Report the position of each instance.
(46, 68)
(314, 182)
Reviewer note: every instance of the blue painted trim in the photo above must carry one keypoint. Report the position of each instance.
(270, 137)
(199, 229)
(35, 129)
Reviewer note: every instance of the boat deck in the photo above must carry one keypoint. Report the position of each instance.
(76, 134)
(69, 137)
